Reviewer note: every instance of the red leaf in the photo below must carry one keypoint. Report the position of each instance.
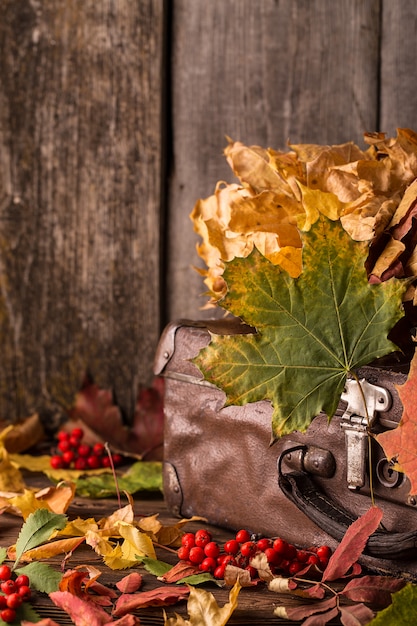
(357, 615)
(82, 612)
(130, 583)
(298, 613)
(352, 545)
(320, 619)
(374, 590)
(179, 571)
(95, 407)
(162, 596)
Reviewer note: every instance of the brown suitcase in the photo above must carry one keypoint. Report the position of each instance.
(307, 488)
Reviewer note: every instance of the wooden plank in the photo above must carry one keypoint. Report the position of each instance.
(263, 73)
(398, 107)
(80, 169)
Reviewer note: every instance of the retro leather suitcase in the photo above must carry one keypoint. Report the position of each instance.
(307, 488)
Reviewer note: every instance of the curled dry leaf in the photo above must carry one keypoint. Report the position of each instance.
(130, 583)
(233, 574)
(260, 563)
(25, 434)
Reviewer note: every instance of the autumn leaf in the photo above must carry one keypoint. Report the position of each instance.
(42, 576)
(82, 612)
(37, 529)
(403, 609)
(374, 590)
(130, 583)
(400, 443)
(352, 545)
(327, 609)
(161, 596)
(203, 609)
(52, 548)
(141, 476)
(179, 571)
(25, 434)
(96, 408)
(311, 331)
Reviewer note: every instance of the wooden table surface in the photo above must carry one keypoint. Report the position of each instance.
(255, 605)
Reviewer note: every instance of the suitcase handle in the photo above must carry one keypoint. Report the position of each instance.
(300, 488)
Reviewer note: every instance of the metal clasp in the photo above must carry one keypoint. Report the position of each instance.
(364, 401)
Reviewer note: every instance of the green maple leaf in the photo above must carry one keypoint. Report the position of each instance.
(311, 331)
(403, 609)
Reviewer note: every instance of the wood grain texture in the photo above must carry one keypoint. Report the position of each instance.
(398, 97)
(80, 169)
(263, 73)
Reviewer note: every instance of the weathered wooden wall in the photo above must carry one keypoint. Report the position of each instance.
(113, 117)
(263, 73)
(80, 168)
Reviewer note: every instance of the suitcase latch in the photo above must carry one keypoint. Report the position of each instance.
(356, 422)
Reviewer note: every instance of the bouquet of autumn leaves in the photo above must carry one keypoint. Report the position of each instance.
(315, 248)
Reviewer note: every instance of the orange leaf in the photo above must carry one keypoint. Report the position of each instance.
(52, 548)
(400, 443)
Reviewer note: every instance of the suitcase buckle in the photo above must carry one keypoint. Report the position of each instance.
(357, 422)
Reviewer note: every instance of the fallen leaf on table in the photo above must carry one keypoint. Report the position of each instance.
(122, 514)
(52, 548)
(56, 499)
(161, 596)
(374, 590)
(141, 476)
(203, 609)
(25, 434)
(82, 612)
(165, 535)
(180, 570)
(130, 583)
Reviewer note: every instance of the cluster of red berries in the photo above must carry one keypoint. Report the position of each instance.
(283, 557)
(15, 590)
(72, 453)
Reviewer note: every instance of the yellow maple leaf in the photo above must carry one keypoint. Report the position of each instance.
(203, 609)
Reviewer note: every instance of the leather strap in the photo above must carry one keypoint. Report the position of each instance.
(301, 489)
